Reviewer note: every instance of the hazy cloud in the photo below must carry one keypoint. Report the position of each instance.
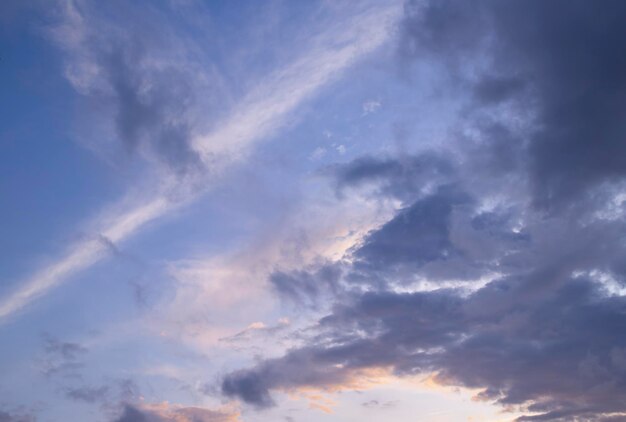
(170, 413)
(525, 213)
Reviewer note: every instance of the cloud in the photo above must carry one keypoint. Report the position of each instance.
(561, 61)
(403, 179)
(501, 269)
(542, 334)
(307, 288)
(140, 75)
(12, 417)
(165, 412)
(140, 94)
(548, 351)
(62, 358)
(113, 398)
(373, 404)
(240, 278)
(88, 394)
(417, 235)
(67, 350)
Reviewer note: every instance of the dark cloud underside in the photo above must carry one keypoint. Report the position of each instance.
(546, 333)
(132, 413)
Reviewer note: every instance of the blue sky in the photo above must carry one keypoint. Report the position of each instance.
(304, 211)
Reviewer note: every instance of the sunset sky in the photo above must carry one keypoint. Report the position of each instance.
(301, 211)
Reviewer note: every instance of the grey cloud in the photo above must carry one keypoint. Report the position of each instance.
(15, 417)
(545, 335)
(62, 358)
(405, 178)
(88, 394)
(330, 360)
(554, 354)
(128, 389)
(492, 89)
(108, 396)
(456, 29)
(441, 235)
(417, 235)
(67, 350)
(308, 288)
(132, 413)
(139, 75)
(150, 106)
(569, 59)
(250, 386)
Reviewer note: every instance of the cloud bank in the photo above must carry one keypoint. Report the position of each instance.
(168, 413)
(503, 269)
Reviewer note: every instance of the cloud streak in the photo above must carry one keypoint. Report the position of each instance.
(257, 117)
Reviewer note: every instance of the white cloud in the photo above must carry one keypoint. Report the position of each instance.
(371, 106)
(341, 149)
(318, 153)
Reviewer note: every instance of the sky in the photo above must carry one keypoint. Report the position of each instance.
(294, 211)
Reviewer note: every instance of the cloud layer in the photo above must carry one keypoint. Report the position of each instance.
(503, 268)
(167, 413)
(147, 85)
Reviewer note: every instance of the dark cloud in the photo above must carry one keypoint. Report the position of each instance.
(562, 61)
(329, 359)
(417, 235)
(404, 178)
(15, 417)
(518, 214)
(560, 353)
(544, 335)
(251, 386)
(67, 350)
(150, 106)
(110, 396)
(132, 413)
(491, 89)
(256, 332)
(442, 235)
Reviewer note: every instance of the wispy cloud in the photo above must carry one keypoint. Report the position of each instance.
(260, 114)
